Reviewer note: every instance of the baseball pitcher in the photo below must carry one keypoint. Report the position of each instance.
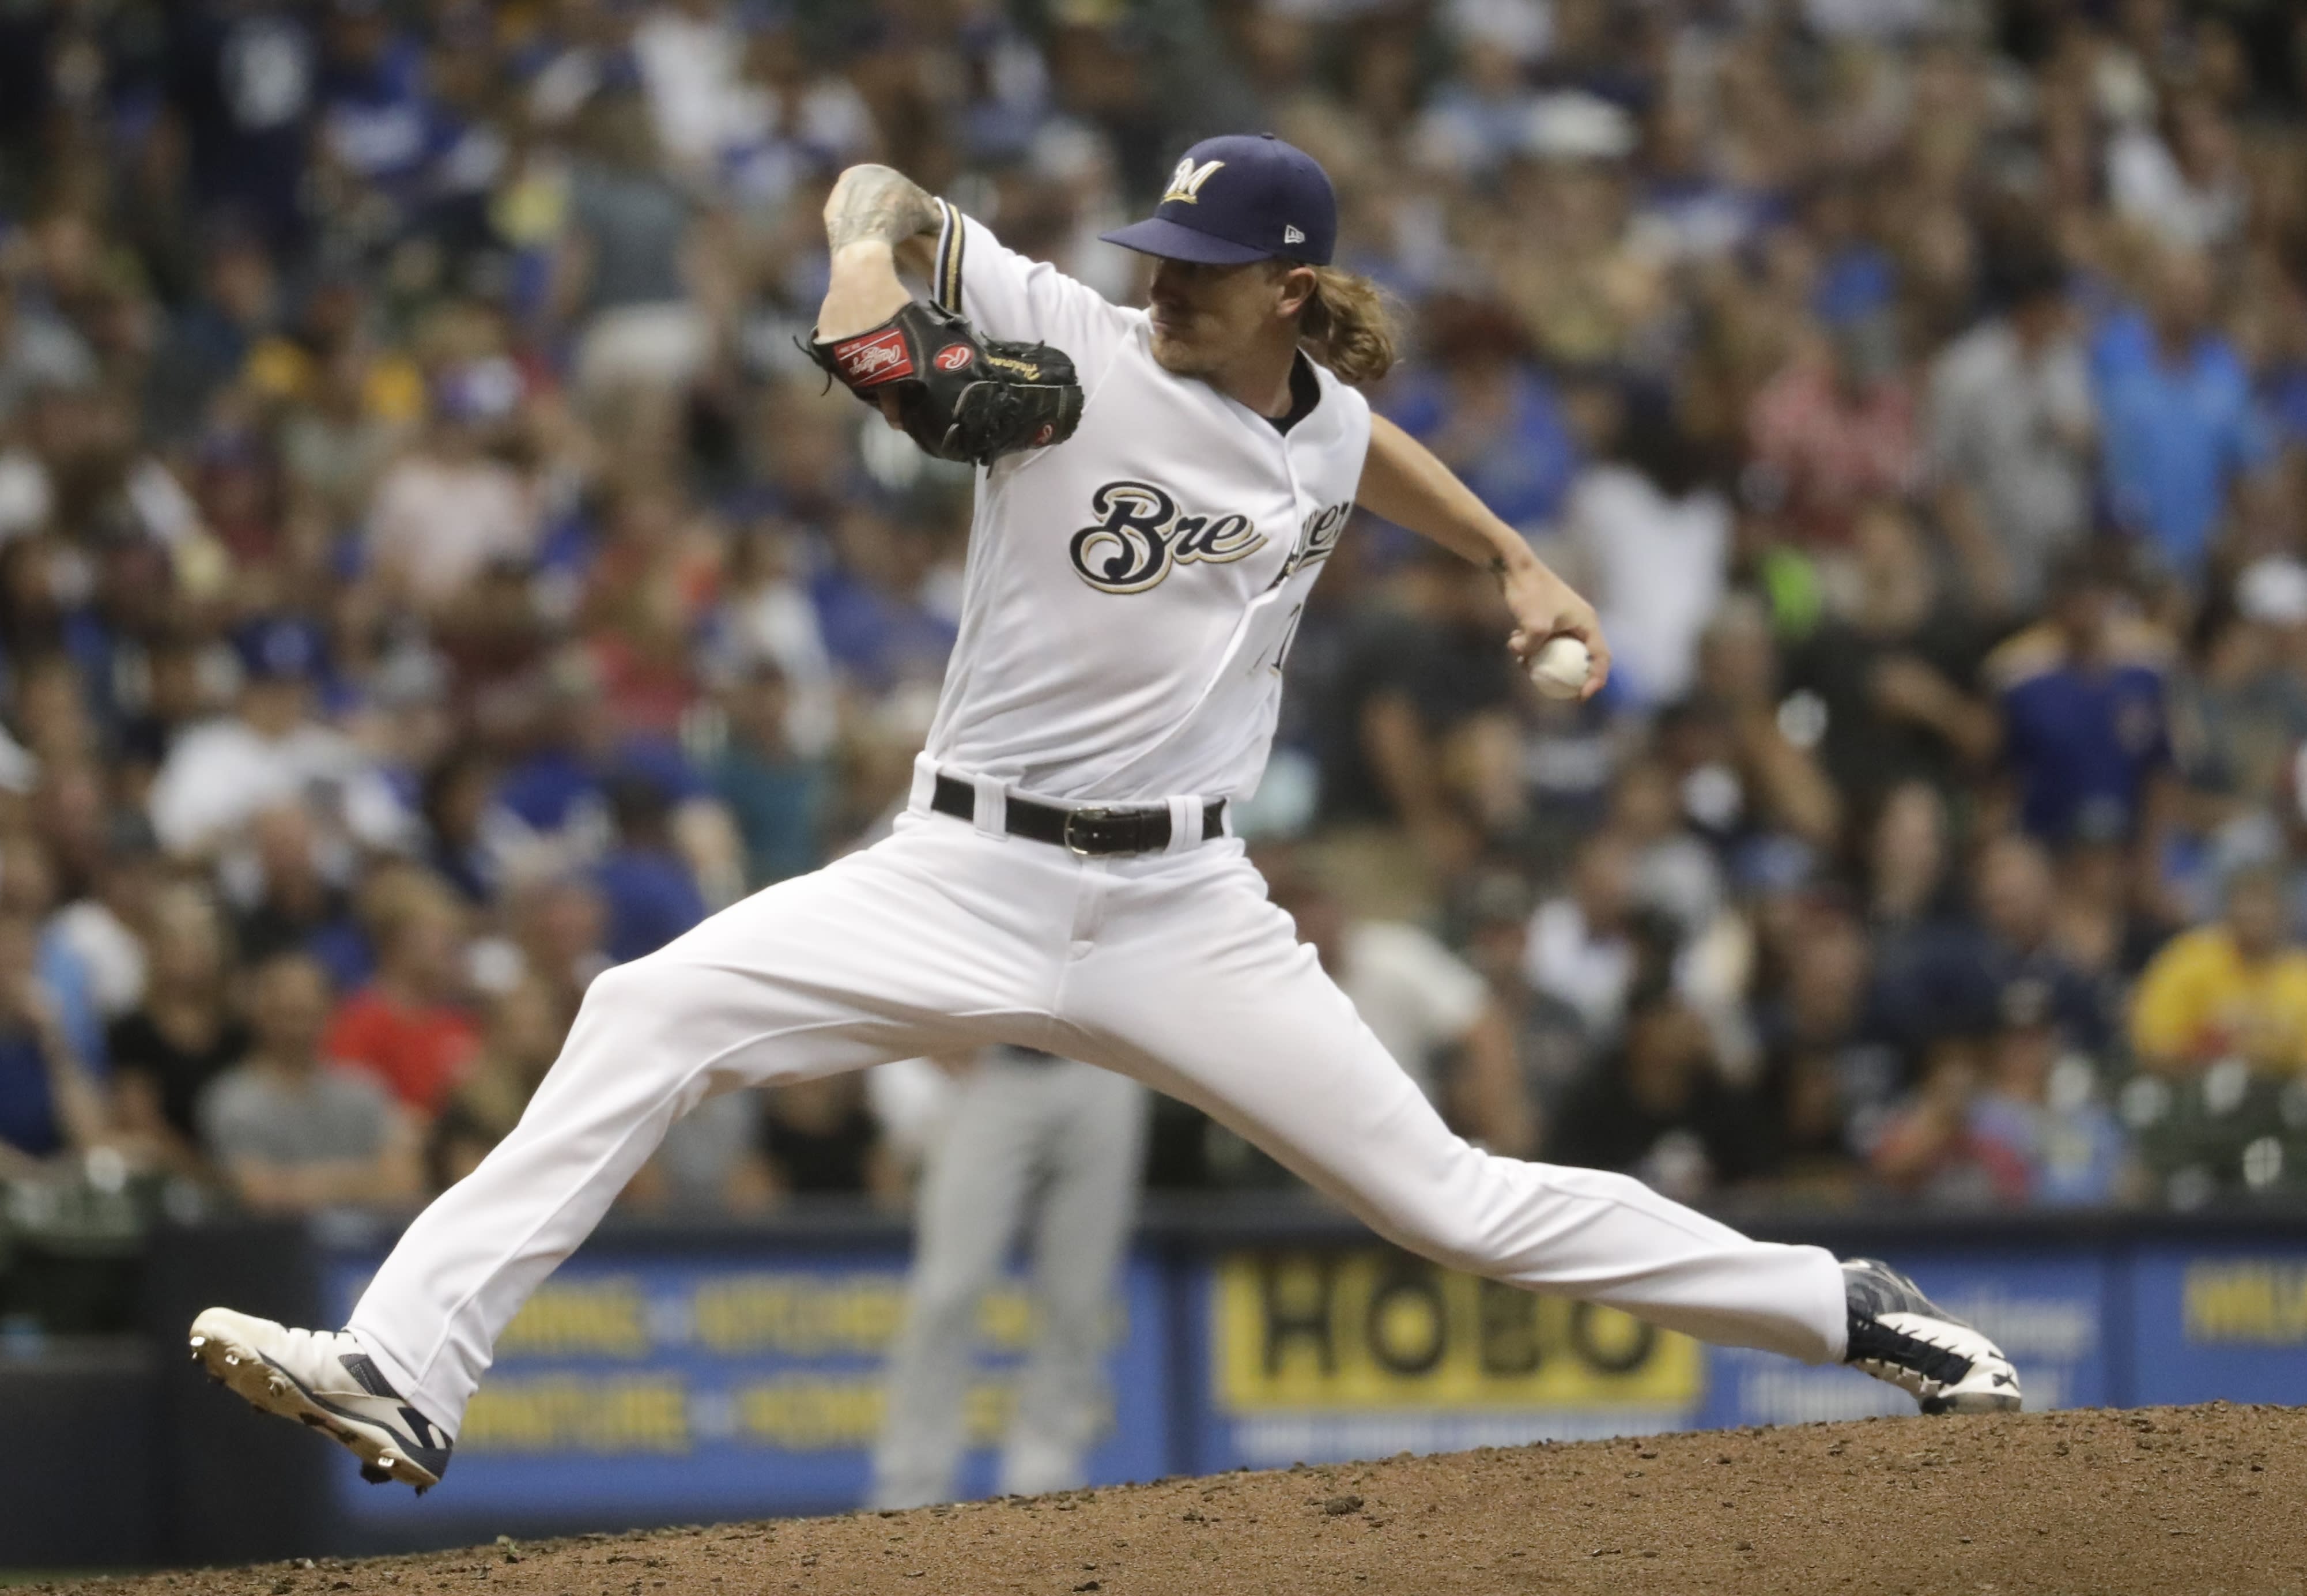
(1157, 492)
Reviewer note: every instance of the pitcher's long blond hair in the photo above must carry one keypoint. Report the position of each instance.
(1348, 325)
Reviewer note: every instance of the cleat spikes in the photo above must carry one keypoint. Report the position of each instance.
(326, 1381)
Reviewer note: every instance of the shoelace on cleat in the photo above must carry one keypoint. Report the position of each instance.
(1873, 1341)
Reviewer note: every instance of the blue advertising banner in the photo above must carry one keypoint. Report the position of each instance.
(2219, 1322)
(737, 1381)
(730, 1387)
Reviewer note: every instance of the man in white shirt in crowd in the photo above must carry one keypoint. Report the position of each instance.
(271, 751)
(2012, 430)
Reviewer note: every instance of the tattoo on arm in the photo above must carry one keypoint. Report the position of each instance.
(878, 202)
(1497, 567)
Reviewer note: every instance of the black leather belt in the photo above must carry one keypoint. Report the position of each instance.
(1088, 832)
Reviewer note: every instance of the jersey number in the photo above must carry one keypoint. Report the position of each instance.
(1289, 636)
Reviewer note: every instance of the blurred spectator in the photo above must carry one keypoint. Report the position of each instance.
(2240, 712)
(104, 928)
(2005, 1119)
(776, 795)
(552, 812)
(272, 750)
(290, 1130)
(651, 896)
(526, 1027)
(2086, 730)
(1581, 948)
(1828, 1071)
(1760, 772)
(2181, 177)
(558, 925)
(36, 351)
(2235, 989)
(185, 1034)
(456, 805)
(1907, 880)
(1649, 535)
(406, 1026)
(50, 1103)
(2181, 430)
(1674, 872)
(27, 888)
(1658, 1106)
(1428, 1011)
(1422, 713)
(1549, 1037)
(289, 903)
(1894, 671)
(2012, 427)
(449, 508)
(1835, 428)
(819, 1137)
(626, 263)
(1487, 411)
(1955, 980)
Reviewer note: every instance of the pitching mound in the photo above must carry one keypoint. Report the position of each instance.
(2160, 1500)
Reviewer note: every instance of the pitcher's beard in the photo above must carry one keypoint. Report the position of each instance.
(1181, 359)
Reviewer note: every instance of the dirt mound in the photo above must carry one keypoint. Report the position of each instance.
(2164, 1500)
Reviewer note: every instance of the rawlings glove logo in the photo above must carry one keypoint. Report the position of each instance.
(1139, 537)
(875, 358)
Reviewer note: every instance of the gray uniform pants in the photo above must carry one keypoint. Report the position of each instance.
(1066, 1140)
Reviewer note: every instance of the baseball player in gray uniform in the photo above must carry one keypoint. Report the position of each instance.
(1025, 1132)
(1159, 489)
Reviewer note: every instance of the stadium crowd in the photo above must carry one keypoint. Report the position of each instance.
(429, 573)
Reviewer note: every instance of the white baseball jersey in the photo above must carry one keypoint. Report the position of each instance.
(1132, 592)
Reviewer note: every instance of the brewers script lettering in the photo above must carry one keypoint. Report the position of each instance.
(1139, 536)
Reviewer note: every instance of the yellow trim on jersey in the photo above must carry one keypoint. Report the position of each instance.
(945, 282)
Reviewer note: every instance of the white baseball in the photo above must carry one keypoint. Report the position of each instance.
(1560, 666)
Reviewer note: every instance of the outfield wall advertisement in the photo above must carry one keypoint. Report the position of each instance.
(747, 1381)
(723, 1386)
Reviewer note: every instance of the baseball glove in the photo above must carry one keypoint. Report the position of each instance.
(961, 397)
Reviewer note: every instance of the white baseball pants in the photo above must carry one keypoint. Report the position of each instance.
(1170, 968)
(1061, 1142)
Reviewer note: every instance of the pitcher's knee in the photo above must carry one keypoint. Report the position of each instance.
(618, 1006)
(656, 1003)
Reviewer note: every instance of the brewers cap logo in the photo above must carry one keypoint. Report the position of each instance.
(954, 356)
(1186, 182)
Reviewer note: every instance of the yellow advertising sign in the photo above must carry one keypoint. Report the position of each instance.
(579, 1413)
(1377, 1329)
(2258, 1300)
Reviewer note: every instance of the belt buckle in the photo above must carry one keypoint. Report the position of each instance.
(1081, 849)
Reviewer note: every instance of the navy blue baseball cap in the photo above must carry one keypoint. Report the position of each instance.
(280, 648)
(1240, 198)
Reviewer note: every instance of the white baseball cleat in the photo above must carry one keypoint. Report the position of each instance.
(1899, 1336)
(326, 1379)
